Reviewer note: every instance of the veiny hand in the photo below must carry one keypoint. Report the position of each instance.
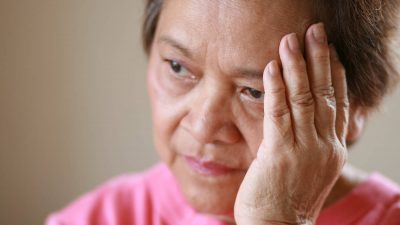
(305, 125)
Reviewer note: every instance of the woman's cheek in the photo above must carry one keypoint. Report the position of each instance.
(166, 87)
(164, 113)
(249, 119)
(168, 103)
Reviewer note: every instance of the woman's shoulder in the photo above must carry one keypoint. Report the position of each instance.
(384, 194)
(380, 188)
(116, 201)
(376, 201)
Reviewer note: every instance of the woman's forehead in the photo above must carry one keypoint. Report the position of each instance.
(232, 15)
(234, 27)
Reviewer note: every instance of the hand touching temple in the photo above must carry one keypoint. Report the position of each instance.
(255, 105)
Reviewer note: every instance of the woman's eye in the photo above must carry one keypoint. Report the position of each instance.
(254, 95)
(180, 70)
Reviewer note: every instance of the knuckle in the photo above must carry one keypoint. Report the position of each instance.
(338, 155)
(302, 98)
(335, 156)
(344, 102)
(321, 55)
(277, 107)
(276, 90)
(331, 102)
(325, 91)
(327, 94)
(279, 111)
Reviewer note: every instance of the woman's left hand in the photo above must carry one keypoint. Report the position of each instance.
(305, 125)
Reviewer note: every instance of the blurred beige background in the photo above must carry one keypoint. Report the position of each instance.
(74, 109)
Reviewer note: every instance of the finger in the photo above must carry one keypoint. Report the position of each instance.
(277, 120)
(342, 100)
(299, 96)
(319, 71)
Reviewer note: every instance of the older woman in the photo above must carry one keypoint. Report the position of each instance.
(253, 115)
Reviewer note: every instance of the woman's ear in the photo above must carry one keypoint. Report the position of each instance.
(357, 118)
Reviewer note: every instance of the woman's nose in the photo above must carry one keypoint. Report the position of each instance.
(210, 119)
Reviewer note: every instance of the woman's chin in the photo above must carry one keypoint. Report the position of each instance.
(215, 201)
(210, 195)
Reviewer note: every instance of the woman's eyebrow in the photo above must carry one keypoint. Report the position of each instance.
(250, 73)
(175, 43)
(239, 72)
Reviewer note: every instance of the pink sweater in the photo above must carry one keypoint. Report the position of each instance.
(154, 198)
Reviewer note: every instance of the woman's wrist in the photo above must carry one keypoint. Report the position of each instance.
(273, 220)
(255, 221)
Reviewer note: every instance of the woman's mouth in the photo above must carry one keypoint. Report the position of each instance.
(207, 168)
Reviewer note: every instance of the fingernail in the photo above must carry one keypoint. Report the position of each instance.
(319, 33)
(293, 42)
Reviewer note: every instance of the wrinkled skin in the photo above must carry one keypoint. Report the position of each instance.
(304, 145)
(209, 66)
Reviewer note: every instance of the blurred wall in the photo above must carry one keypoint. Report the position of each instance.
(74, 109)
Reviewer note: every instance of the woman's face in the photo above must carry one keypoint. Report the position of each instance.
(205, 84)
